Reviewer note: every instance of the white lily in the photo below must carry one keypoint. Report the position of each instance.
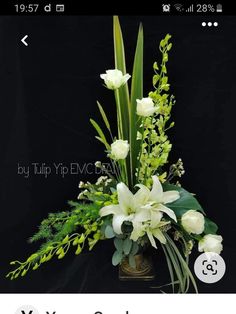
(140, 229)
(144, 206)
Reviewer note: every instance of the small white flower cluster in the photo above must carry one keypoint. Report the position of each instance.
(104, 180)
(82, 195)
(98, 164)
(180, 168)
(176, 170)
(83, 185)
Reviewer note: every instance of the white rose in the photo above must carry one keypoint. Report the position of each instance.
(211, 243)
(145, 107)
(119, 149)
(193, 222)
(114, 78)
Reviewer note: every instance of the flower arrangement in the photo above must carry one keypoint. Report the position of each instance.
(141, 202)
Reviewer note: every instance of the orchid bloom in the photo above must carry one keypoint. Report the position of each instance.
(144, 209)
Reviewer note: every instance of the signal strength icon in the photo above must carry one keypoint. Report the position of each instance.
(190, 9)
(179, 7)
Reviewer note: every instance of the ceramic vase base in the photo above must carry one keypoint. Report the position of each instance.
(144, 270)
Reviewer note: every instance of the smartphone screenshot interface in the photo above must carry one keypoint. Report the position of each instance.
(117, 152)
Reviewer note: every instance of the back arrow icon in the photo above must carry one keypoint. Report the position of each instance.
(23, 40)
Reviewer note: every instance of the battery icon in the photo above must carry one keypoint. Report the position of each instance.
(60, 8)
(219, 8)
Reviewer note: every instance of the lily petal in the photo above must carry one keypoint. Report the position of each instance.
(110, 210)
(142, 215)
(167, 210)
(125, 197)
(170, 196)
(141, 196)
(156, 217)
(118, 221)
(159, 235)
(156, 193)
(152, 240)
(138, 231)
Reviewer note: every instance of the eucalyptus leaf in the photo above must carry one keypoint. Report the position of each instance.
(112, 190)
(135, 248)
(109, 232)
(119, 244)
(132, 262)
(186, 201)
(116, 258)
(127, 246)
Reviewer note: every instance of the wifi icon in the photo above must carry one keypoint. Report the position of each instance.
(179, 7)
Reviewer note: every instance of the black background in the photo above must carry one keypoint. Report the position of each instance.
(48, 92)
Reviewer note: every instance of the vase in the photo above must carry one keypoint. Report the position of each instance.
(143, 271)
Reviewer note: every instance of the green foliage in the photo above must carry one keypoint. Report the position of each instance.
(125, 248)
(155, 145)
(109, 233)
(210, 226)
(122, 100)
(61, 231)
(81, 226)
(122, 94)
(125, 106)
(118, 242)
(101, 137)
(104, 116)
(102, 193)
(117, 258)
(127, 245)
(186, 201)
(136, 93)
(180, 273)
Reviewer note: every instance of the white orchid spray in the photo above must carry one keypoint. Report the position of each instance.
(138, 202)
